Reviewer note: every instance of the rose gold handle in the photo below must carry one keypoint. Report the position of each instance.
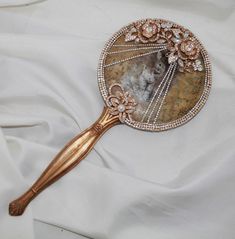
(67, 158)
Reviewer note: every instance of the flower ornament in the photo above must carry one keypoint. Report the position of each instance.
(182, 47)
(143, 32)
(186, 52)
(120, 102)
(148, 32)
(188, 49)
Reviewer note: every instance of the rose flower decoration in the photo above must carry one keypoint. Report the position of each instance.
(183, 48)
(148, 32)
(120, 102)
(144, 32)
(188, 49)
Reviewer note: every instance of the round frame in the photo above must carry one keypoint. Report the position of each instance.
(162, 126)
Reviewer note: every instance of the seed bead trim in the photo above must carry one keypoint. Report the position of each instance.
(136, 49)
(134, 57)
(158, 126)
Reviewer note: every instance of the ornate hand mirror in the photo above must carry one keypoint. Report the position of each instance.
(153, 75)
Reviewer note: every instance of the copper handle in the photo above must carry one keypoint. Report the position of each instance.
(66, 159)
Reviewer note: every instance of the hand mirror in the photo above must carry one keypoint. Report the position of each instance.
(153, 75)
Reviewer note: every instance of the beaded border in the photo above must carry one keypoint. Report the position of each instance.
(163, 126)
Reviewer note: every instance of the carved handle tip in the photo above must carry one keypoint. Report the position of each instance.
(16, 208)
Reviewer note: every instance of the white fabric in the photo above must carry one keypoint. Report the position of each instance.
(176, 184)
(18, 3)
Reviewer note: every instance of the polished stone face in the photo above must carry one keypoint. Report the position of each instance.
(144, 75)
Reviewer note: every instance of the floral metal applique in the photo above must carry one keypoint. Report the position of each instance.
(144, 32)
(182, 46)
(148, 32)
(186, 51)
(120, 102)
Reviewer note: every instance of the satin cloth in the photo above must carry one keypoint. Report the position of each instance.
(176, 184)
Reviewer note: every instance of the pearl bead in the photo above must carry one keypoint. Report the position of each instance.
(121, 108)
(149, 29)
